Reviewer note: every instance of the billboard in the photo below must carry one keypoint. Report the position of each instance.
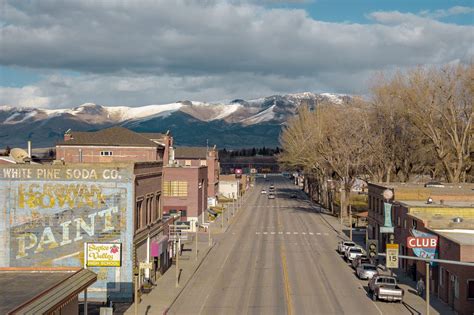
(103, 254)
(50, 211)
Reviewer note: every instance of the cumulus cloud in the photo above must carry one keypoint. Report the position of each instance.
(155, 51)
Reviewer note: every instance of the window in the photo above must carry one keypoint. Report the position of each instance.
(399, 221)
(470, 289)
(441, 276)
(187, 163)
(105, 153)
(175, 188)
(456, 287)
(404, 223)
(157, 209)
(138, 214)
(203, 163)
(414, 224)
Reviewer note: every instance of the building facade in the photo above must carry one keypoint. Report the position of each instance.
(185, 193)
(201, 156)
(115, 144)
(445, 213)
(50, 212)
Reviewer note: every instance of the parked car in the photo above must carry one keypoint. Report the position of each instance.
(272, 186)
(294, 196)
(366, 271)
(271, 196)
(342, 246)
(353, 252)
(363, 259)
(385, 288)
(263, 191)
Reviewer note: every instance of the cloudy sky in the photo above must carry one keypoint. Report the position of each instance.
(61, 54)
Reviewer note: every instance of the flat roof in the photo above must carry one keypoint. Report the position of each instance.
(36, 291)
(462, 237)
(445, 221)
(437, 204)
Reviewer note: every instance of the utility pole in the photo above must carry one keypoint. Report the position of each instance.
(350, 222)
(178, 247)
(197, 228)
(209, 232)
(427, 288)
(136, 294)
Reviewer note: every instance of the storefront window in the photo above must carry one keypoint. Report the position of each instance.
(470, 289)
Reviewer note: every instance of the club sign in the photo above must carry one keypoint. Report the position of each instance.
(422, 242)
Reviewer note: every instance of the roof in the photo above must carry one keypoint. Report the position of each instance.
(462, 237)
(445, 221)
(190, 153)
(114, 136)
(38, 291)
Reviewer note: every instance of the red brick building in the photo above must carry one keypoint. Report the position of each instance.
(201, 156)
(185, 193)
(116, 144)
(453, 284)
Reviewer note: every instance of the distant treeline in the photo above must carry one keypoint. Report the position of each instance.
(264, 151)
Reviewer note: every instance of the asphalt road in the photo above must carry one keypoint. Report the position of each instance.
(279, 257)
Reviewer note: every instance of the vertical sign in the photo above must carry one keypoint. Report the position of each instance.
(387, 214)
(392, 256)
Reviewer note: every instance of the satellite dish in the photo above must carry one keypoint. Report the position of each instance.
(19, 155)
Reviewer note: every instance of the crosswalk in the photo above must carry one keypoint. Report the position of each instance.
(291, 233)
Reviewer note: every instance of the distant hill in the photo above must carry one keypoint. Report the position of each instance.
(239, 123)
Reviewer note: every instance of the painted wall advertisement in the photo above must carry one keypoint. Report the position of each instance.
(50, 211)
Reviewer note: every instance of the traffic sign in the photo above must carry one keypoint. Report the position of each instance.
(145, 265)
(392, 256)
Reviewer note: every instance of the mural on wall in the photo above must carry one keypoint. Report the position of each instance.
(49, 212)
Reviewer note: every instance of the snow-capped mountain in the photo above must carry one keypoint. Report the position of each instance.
(223, 119)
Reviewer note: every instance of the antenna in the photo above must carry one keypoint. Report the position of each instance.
(20, 156)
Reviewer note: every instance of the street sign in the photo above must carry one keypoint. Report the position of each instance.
(145, 265)
(392, 256)
(386, 229)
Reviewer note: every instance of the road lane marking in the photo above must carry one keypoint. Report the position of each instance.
(311, 233)
(273, 233)
(295, 233)
(280, 232)
(265, 233)
(304, 233)
(318, 233)
(288, 233)
(257, 232)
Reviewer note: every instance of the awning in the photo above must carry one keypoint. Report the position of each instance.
(212, 212)
(159, 246)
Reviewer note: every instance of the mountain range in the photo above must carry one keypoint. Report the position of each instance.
(238, 123)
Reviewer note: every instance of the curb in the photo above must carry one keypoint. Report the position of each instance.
(186, 283)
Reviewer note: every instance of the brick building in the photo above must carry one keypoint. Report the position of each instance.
(443, 212)
(185, 193)
(115, 144)
(50, 211)
(201, 156)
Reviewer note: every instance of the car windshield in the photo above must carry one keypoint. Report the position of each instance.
(355, 250)
(349, 244)
(368, 267)
(387, 280)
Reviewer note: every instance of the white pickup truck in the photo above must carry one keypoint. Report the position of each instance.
(385, 288)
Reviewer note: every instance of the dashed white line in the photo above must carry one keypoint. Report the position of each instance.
(326, 234)
(265, 233)
(295, 232)
(257, 232)
(273, 233)
(318, 233)
(311, 233)
(288, 233)
(280, 232)
(304, 233)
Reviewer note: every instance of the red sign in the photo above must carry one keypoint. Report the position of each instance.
(238, 171)
(422, 242)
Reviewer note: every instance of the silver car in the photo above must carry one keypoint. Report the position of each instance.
(366, 271)
(343, 245)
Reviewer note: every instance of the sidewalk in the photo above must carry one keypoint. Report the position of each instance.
(413, 302)
(165, 291)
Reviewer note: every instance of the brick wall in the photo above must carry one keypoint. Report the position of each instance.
(92, 154)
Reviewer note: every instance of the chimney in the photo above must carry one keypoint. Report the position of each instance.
(29, 148)
(68, 135)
